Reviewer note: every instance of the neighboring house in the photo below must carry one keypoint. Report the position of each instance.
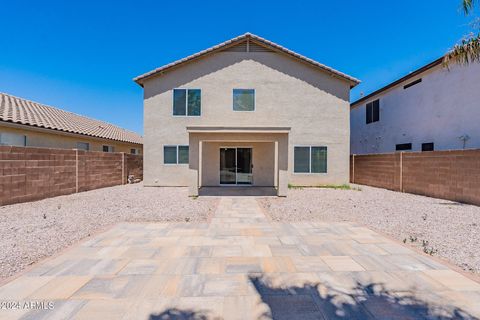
(27, 123)
(246, 112)
(432, 108)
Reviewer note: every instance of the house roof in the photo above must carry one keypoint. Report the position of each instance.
(393, 84)
(255, 39)
(26, 112)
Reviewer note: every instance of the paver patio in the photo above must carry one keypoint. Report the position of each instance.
(242, 266)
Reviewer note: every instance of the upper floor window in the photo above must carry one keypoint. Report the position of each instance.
(243, 100)
(310, 159)
(134, 151)
(108, 149)
(83, 146)
(186, 102)
(428, 146)
(13, 139)
(373, 111)
(408, 85)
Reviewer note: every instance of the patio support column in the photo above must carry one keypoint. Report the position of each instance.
(275, 170)
(195, 160)
(282, 161)
(200, 161)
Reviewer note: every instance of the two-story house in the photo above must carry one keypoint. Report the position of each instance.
(246, 112)
(432, 108)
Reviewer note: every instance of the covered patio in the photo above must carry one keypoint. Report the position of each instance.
(244, 160)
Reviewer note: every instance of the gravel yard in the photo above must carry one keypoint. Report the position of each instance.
(447, 229)
(34, 230)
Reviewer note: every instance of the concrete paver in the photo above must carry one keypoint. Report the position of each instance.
(242, 266)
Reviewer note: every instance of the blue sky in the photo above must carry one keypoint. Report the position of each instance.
(82, 55)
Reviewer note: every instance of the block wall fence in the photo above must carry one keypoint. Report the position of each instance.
(451, 175)
(28, 174)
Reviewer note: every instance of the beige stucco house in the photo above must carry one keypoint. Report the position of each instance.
(246, 112)
(26, 123)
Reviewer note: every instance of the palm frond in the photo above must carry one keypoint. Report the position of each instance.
(467, 6)
(466, 52)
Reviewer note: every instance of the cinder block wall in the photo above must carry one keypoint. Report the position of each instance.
(134, 166)
(451, 175)
(28, 174)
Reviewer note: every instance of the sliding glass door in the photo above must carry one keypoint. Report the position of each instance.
(236, 166)
(228, 166)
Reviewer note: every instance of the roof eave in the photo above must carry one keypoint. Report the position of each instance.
(158, 71)
(397, 82)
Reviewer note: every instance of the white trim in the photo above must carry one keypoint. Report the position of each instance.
(254, 100)
(186, 103)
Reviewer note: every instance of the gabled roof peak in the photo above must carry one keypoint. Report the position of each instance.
(234, 41)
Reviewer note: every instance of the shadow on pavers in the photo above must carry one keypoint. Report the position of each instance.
(370, 301)
(179, 314)
(319, 301)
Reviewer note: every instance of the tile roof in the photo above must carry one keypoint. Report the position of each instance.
(22, 111)
(240, 39)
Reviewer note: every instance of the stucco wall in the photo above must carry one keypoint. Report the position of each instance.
(54, 139)
(440, 109)
(287, 94)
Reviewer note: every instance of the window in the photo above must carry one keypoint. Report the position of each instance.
(243, 100)
(428, 146)
(183, 154)
(175, 154)
(373, 111)
(83, 146)
(12, 139)
(408, 85)
(108, 149)
(134, 151)
(186, 102)
(310, 160)
(403, 146)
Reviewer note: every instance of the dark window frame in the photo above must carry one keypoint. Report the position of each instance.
(428, 146)
(411, 84)
(403, 147)
(372, 111)
(186, 106)
(110, 148)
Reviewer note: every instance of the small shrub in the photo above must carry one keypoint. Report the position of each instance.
(327, 186)
(428, 250)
